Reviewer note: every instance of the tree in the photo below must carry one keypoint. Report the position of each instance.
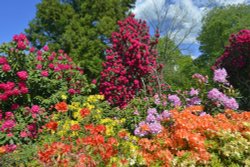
(178, 68)
(218, 24)
(81, 28)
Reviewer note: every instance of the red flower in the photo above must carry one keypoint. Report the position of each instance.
(61, 107)
(75, 127)
(84, 112)
(52, 125)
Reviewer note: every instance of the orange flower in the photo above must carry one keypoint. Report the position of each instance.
(84, 112)
(2, 150)
(61, 107)
(122, 134)
(75, 127)
(52, 125)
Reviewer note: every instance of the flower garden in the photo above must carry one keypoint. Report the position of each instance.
(51, 115)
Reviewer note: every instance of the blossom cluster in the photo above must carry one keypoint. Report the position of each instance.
(131, 59)
(221, 99)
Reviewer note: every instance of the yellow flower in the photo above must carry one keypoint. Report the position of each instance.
(64, 97)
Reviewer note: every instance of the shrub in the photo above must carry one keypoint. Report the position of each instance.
(31, 81)
(235, 60)
(130, 62)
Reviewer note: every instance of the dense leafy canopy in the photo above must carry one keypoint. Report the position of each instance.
(81, 28)
(178, 68)
(217, 27)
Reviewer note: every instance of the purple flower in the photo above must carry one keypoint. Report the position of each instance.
(175, 100)
(220, 76)
(152, 111)
(194, 101)
(203, 114)
(230, 103)
(150, 118)
(155, 127)
(166, 114)
(193, 92)
(215, 94)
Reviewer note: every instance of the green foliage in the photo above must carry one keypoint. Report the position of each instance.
(217, 27)
(229, 149)
(81, 28)
(178, 68)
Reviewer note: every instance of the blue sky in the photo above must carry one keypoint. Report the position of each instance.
(15, 16)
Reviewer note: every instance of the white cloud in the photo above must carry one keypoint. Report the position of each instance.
(180, 16)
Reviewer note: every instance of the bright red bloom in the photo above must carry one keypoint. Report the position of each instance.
(75, 127)
(52, 125)
(61, 107)
(84, 112)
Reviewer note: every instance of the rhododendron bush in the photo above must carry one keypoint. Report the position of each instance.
(31, 81)
(235, 60)
(130, 62)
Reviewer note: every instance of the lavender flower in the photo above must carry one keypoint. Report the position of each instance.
(194, 92)
(155, 127)
(166, 114)
(230, 103)
(150, 118)
(152, 111)
(215, 94)
(175, 100)
(194, 101)
(220, 76)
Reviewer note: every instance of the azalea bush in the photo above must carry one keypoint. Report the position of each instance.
(235, 60)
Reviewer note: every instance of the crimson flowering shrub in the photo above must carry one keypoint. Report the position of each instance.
(130, 61)
(235, 60)
(31, 81)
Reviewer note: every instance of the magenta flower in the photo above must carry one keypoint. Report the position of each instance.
(6, 68)
(46, 48)
(8, 124)
(45, 73)
(3, 60)
(23, 75)
(35, 109)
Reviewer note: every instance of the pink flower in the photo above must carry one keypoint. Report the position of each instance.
(8, 115)
(8, 124)
(23, 134)
(51, 66)
(94, 81)
(32, 49)
(3, 60)
(14, 106)
(44, 73)
(71, 91)
(21, 45)
(23, 75)
(35, 109)
(6, 68)
(10, 135)
(46, 48)
(39, 66)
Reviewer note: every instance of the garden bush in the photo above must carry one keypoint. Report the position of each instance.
(235, 60)
(32, 81)
(130, 62)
